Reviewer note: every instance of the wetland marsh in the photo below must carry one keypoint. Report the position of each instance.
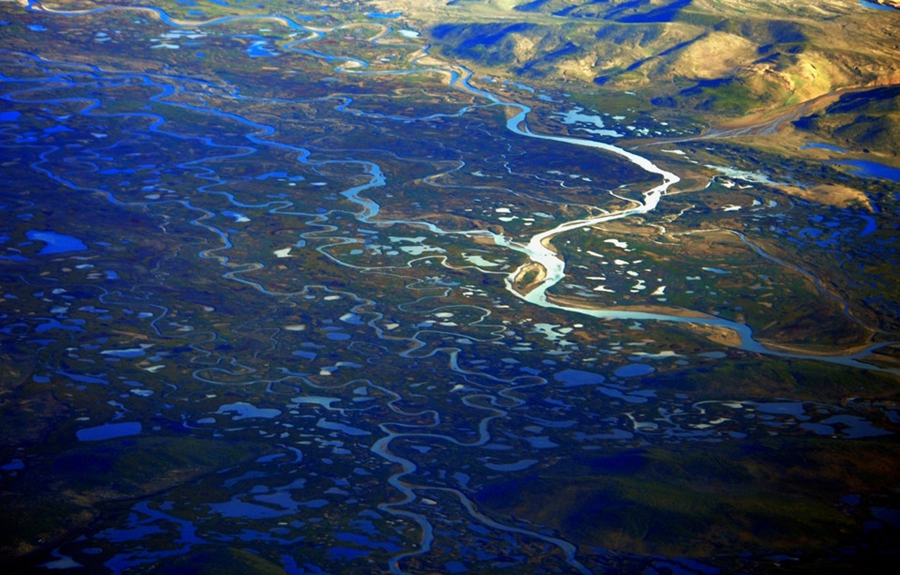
(285, 290)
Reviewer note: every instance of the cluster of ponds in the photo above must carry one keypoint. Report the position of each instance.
(332, 421)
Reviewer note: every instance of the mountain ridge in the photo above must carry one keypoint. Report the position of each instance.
(719, 61)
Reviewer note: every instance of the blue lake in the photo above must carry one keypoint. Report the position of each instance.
(109, 431)
(455, 567)
(335, 426)
(244, 410)
(783, 408)
(56, 243)
(575, 377)
(634, 370)
(871, 226)
(871, 169)
(125, 353)
(518, 466)
(347, 553)
(364, 541)
(855, 427)
(873, 5)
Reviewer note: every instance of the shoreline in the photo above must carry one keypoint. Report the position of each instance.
(570, 301)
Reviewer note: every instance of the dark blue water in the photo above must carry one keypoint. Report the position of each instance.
(659, 15)
(871, 226)
(574, 378)
(871, 169)
(634, 370)
(109, 431)
(364, 541)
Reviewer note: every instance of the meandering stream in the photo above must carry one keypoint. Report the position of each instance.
(537, 250)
